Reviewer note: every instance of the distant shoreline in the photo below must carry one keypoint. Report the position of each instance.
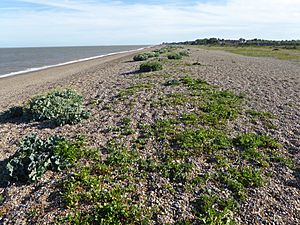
(30, 70)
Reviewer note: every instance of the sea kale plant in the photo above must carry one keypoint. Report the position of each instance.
(144, 56)
(150, 66)
(60, 106)
(35, 156)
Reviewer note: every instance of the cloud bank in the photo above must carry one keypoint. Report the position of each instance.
(91, 22)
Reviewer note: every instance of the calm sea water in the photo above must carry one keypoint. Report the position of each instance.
(20, 60)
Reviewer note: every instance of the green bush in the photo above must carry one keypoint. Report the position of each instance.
(140, 57)
(145, 56)
(153, 54)
(184, 53)
(60, 106)
(174, 56)
(35, 156)
(160, 51)
(150, 66)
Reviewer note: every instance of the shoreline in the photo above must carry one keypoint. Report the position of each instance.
(34, 69)
(13, 87)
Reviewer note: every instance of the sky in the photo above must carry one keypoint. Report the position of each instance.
(25, 23)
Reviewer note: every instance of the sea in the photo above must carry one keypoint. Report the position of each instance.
(14, 61)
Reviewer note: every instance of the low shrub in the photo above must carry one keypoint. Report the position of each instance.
(166, 49)
(173, 82)
(153, 54)
(60, 106)
(35, 156)
(160, 51)
(174, 56)
(184, 53)
(140, 57)
(150, 66)
(145, 56)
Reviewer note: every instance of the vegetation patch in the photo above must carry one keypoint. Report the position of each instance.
(59, 106)
(108, 188)
(175, 99)
(173, 82)
(131, 90)
(150, 66)
(175, 56)
(2, 200)
(184, 53)
(238, 179)
(253, 149)
(35, 156)
(176, 172)
(166, 49)
(209, 208)
(217, 106)
(145, 56)
(221, 106)
(264, 51)
(252, 140)
(202, 140)
(264, 117)
(260, 115)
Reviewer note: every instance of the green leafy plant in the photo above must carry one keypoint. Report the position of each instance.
(221, 106)
(150, 66)
(252, 140)
(60, 106)
(184, 53)
(174, 56)
(145, 56)
(172, 83)
(2, 199)
(238, 179)
(196, 84)
(261, 115)
(202, 140)
(35, 156)
(176, 172)
(211, 209)
(131, 90)
(106, 187)
(111, 213)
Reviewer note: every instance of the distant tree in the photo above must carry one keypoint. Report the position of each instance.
(213, 41)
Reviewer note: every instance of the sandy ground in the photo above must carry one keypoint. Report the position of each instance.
(269, 84)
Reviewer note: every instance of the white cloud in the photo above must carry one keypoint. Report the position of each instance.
(92, 23)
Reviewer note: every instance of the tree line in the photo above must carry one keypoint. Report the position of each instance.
(240, 42)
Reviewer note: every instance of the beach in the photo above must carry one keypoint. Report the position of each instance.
(269, 85)
(13, 87)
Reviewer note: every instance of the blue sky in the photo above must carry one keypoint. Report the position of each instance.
(95, 22)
